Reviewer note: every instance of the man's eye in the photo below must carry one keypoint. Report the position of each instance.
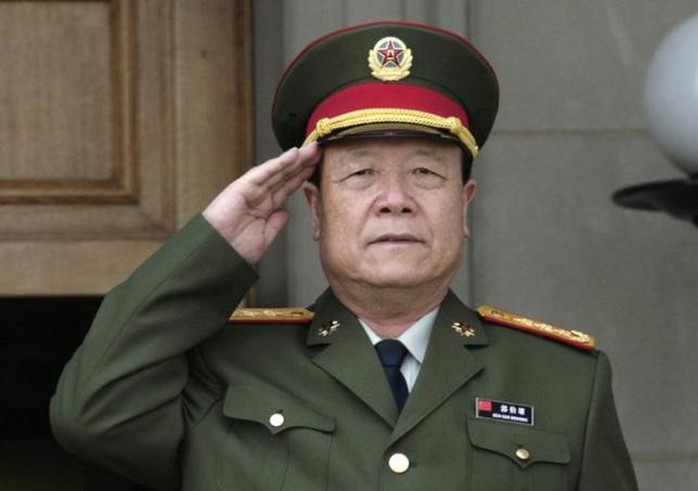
(426, 172)
(423, 171)
(359, 178)
(361, 173)
(427, 178)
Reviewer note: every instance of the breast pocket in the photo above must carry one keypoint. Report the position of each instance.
(517, 458)
(274, 441)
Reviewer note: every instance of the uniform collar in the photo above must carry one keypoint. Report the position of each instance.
(332, 319)
(415, 338)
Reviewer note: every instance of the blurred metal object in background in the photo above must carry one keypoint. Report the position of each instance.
(671, 100)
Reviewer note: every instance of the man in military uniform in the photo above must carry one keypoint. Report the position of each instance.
(388, 381)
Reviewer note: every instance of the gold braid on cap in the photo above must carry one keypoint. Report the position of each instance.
(326, 126)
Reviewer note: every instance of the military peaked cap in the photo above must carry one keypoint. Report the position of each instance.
(387, 78)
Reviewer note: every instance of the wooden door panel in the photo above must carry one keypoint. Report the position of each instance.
(121, 119)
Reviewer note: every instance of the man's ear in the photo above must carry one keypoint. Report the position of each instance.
(469, 189)
(312, 196)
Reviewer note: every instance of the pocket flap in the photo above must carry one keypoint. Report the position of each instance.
(275, 409)
(522, 444)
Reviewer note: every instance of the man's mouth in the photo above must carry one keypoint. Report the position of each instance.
(396, 239)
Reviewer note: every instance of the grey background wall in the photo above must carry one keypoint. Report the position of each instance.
(547, 241)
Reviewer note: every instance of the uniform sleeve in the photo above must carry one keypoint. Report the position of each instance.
(119, 399)
(606, 464)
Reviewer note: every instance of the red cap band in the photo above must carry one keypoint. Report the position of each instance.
(371, 95)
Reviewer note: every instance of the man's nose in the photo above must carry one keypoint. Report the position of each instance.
(395, 196)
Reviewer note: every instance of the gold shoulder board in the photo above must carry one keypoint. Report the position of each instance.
(270, 316)
(574, 338)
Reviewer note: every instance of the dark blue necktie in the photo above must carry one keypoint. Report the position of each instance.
(391, 353)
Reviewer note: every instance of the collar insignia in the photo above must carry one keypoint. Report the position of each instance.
(463, 329)
(328, 329)
(390, 59)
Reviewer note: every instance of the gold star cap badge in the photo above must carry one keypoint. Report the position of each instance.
(390, 59)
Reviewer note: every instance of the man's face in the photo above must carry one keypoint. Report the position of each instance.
(391, 212)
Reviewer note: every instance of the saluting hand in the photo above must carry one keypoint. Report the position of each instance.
(249, 212)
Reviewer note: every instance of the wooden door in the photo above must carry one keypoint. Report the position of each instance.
(119, 120)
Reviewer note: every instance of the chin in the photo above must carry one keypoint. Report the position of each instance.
(403, 278)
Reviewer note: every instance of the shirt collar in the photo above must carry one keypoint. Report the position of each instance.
(415, 338)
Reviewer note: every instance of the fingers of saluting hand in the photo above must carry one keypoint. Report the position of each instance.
(264, 188)
(281, 176)
(249, 212)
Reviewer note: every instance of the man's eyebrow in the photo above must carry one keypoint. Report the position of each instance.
(431, 152)
(357, 153)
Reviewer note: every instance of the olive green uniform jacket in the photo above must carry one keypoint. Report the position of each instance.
(162, 390)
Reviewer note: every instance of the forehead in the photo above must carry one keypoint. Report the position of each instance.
(368, 147)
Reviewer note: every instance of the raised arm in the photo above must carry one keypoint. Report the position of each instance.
(119, 400)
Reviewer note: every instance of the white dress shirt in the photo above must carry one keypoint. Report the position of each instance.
(415, 339)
